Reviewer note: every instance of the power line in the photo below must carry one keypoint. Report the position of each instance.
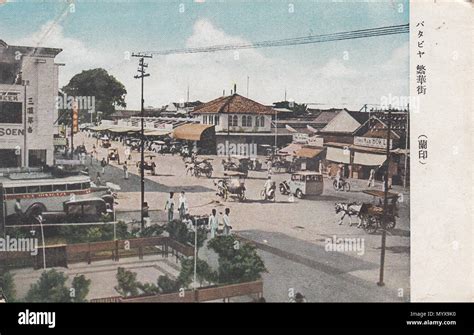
(348, 35)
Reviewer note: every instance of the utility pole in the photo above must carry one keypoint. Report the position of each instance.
(407, 127)
(385, 201)
(142, 75)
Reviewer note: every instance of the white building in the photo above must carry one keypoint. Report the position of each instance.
(28, 91)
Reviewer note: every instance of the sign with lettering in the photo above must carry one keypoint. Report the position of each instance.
(9, 96)
(11, 132)
(372, 142)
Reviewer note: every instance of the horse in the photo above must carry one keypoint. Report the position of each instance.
(350, 209)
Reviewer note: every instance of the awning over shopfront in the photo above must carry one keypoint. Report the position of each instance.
(291, 148)
(308, 152)
(369, 159)
(123, 130)
(338, 155)
(100, 128)
(158, 132)
(191, 132)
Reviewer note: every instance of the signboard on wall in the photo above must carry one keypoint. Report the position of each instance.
(372, 142)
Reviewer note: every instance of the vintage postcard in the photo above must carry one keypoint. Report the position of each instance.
(235, 151)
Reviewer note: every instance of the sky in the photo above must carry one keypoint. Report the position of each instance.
(103, 33)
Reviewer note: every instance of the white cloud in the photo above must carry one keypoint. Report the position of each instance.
(208, 74)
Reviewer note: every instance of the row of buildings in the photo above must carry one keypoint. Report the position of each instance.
(330, 138)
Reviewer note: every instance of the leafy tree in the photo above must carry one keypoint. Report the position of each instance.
(127, 283)
(51, 287)
(7, 285)
(237, 262)
(203, 272)
(178, 231)
(81, 288)
(167, 285)
(107, 90)
(298, 109)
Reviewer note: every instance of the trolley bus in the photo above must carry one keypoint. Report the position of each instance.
(41, 193)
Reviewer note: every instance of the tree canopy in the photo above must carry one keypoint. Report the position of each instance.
(107, 90)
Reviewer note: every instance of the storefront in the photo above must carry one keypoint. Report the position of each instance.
(28, 91)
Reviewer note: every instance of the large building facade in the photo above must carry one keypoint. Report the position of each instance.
(28, 92)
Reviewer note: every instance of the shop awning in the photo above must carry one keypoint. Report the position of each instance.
(100, 128)
(308, 152)
(190, 131)
(291, 148)
(368, 159)
(158, 132)
(123, 129)
(338, 155)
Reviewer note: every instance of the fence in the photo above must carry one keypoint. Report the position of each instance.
(224, 292)
(62, 255)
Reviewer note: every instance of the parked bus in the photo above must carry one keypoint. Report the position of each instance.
(45, 194)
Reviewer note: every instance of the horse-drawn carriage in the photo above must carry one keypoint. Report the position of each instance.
(371, 215)
(282, 163)
(113, 154)
(238, 164)
(232, 185)
(198, 168)
(105, 142)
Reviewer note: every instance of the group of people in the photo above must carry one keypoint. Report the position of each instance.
(214, 226)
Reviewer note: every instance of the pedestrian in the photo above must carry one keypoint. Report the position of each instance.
(153, 168)
(125, 171)
(118, 158)
(103, 163)
(227, 226)
(371, 182)
(169, 206)
(18, 210)
(338, 177)
(182, 205)
(99, 180)
(213, 224)
(146, 215)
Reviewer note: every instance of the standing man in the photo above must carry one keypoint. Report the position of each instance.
(103, 164)
(18, 210)
(227, 226)
(125, 171)
(169, 206)
(182, 205)
(371, 182)
(213, 224)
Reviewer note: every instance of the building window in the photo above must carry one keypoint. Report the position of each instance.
(246, 121)
(36, 158)
(262, 121)
(233, 120)
(204, 119)
(217, 119)
(11, 112)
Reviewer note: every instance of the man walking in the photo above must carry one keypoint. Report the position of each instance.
(103, 164)
(169, 206)
(213, 224)
(371, 182)
(227, 226)
(182, 205)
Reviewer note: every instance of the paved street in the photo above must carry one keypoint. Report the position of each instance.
(291, 236)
